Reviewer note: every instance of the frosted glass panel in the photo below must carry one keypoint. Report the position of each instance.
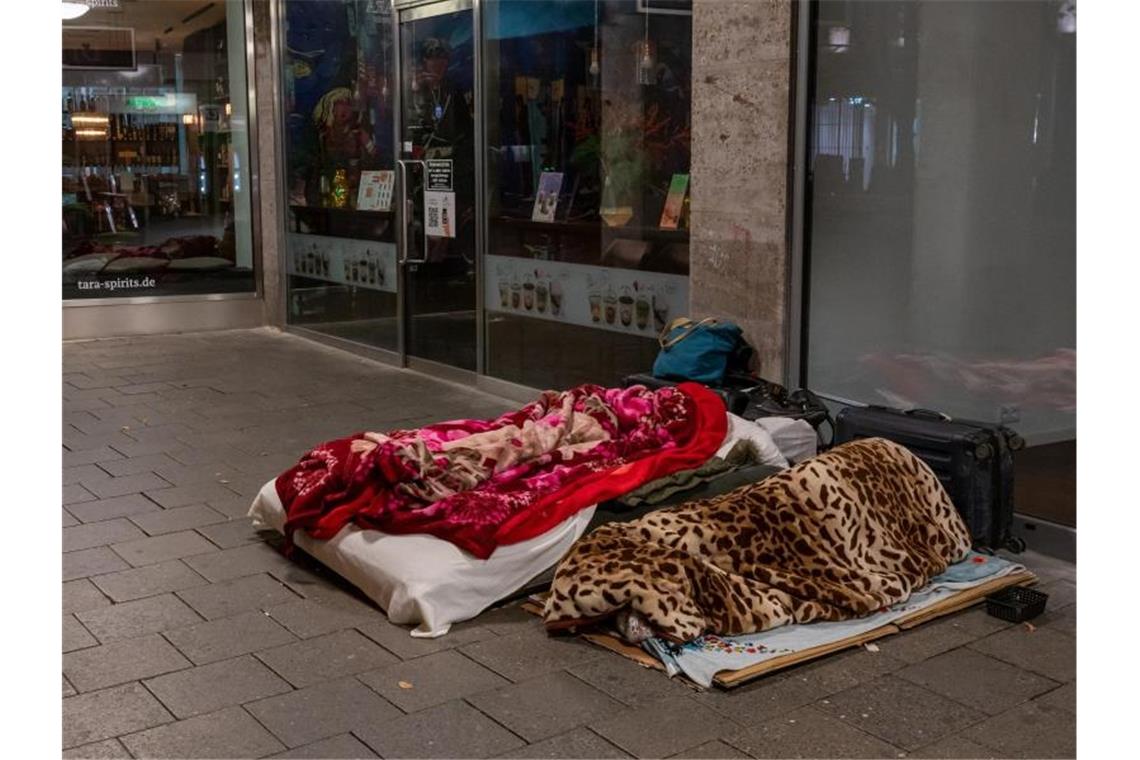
(942, 249)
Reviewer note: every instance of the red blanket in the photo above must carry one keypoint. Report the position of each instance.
(482, 483)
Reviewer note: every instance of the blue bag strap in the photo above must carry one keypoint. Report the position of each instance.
(689, 327)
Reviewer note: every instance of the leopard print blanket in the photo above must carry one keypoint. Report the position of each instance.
(838, 536)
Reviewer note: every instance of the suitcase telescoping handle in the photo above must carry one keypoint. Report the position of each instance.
(929, 414)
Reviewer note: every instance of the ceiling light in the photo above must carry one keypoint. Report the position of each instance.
(74, 10)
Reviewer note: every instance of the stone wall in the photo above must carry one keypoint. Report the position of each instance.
(741, 100)
(271, 259)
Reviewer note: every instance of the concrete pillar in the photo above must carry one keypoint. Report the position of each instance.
(266, 161)
(741, 99)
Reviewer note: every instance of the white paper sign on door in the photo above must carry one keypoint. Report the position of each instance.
(439, 214)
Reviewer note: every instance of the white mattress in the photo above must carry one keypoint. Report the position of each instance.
(422, 579)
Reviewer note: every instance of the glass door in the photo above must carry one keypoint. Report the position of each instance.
(436, 138)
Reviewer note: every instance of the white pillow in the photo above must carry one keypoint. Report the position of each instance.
(742, 429)
(796, 439)
(420, 578)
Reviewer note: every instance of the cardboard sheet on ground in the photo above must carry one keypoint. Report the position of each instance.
(732, 660)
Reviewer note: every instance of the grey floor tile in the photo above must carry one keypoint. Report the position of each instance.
(765, 698)
(76, 494)
(900, 712)
(151, 551)
(714, 750)
(307, 618)
(75, 636)
(431, 680)
(89, 718)
(109, 749)
(107, 509)
(1064, 621)
(227, 733)
(207, 688)
(842, 670)
(232, 532)
(1030, 730)
(1063, 698)
(68, 519)
(128, 484)
(939, 636)
(327, 709)
(454, 729)
(628, 682)
(90, 562)
(333, 748)
(113, 664)
(325, 657)
(252, 592)
(76, 475)
(545, 706)
(229, 637)
(99, 534)
(234, 563)
(664, 727)
(579, 743)
(136, 465)
(527, 654)
(179, 518)
(398, 639)
(954, 746)
(976, 680)
(195, 493)
(68, 689)
(1043, 651)
(138, 618)
(90, 456)
(808, 733)
(82, 595)
(509, 619)
(147, 581)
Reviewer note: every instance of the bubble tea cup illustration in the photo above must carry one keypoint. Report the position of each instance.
(625, 307)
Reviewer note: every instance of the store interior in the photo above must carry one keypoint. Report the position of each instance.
(155, 155)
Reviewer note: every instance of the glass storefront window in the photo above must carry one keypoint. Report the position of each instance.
(942, 246)
(339, 91)
(156, 179)
(588, 114)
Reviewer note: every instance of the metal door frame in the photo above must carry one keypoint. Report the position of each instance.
(414, 10)
(478, 379)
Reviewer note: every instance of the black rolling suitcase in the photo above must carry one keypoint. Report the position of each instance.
(973, 460)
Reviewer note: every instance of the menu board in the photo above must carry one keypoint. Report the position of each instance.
(622, 300)
(375, 190)
(361, 263)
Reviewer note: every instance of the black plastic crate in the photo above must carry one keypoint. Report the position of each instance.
(1016, 604)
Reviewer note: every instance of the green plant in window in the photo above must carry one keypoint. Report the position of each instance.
(622, 154)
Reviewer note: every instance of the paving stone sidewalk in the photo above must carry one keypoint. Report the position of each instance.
(186, 634)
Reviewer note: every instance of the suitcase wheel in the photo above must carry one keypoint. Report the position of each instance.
(1015, 544)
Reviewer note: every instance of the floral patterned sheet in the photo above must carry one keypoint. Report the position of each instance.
(701, 659)
(485, 483)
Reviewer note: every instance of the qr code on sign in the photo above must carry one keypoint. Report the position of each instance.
(433, 217)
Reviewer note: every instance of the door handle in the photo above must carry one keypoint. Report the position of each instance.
(406, 213)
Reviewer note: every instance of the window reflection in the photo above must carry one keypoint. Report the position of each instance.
(588, 161)
(155, 151)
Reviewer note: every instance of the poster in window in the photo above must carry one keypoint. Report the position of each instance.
(439, 214)
(546, 199)
(375, 190)
(674, 202)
